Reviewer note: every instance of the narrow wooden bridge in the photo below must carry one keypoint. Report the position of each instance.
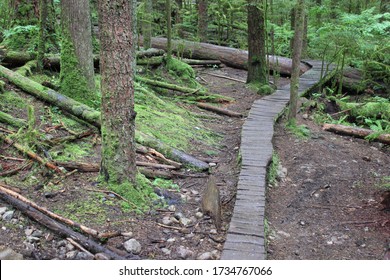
(246, 239)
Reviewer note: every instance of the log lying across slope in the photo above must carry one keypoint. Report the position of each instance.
(92, 116)
(230, 56)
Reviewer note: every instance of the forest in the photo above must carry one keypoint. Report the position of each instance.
(194, 129)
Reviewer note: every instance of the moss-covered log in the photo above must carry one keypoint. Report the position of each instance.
(377, 110)
(2, 86)
(48, 95)
(92, 116)
(198, 92)
(232, 57)
(8, 119)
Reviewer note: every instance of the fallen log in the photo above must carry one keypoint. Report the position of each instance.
(229, 56)
(202, 62)
(92, 116)
(356, 132)
(85, 229)
(219, 110)
(17, 59)
(95, 167)
(58, 228)
(15, 122)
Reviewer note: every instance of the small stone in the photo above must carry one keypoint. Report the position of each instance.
(305, 116)
(194, 192)
(3, 210)
(205, 256)
(212, 164)
(167, 221)
(171, 240)
(71, 255)
(37, 233)
(29, 231)
(62, 243)
(69, 247)
(199, 215)
(213, 231)
(84, 256)
(172, 208)
(166, 251)
(174, 220)
(7, 216)
(128, 234)
(185, 222)
(285, 234)
(302, 223)
(133, 246)
(3, 228)
(215, 254)
(101, 256)
(179, 215)
(184, 253)
(32, 239)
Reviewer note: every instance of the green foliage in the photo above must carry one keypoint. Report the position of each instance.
(300, 131)
(21, 38)
(272, 172)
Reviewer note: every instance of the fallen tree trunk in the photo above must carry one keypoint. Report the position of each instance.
(8, 119)
(230, 56)
(95, 167)
(219, 110)
(356, 132)
(58, 228)
(92, 116)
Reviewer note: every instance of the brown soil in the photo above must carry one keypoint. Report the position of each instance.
(328, 206)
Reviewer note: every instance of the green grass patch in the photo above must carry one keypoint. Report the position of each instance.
(300, 131)
(272, 172)
(71, 151)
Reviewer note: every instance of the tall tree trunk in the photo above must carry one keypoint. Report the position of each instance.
(304, 37)
(169, 28)
(77, 71)
(202, 20)
(318, 15)
(117, 24)
(257, 65)
(43, 16)
(300, 15)
(147, 24)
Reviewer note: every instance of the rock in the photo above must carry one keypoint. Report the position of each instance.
(8, 215)
(305, 116)
(212, 164)
(285, 234)
(133, 246)
(128, 234)
(213, 231)
(184, 253)
(199, 215)
(205, 256)
(3, 210)
(172, 208)
(179, 215)
(9, 254)
(84, 256)
(166, 251)
(29, 231)
(281, 172)
(71, 255)
(194, 192)
(167, 221)
(101, 256)
(32, 239)
(62, 243)
(185, 222)
(215, 254)
(37, 233)
(69, 247)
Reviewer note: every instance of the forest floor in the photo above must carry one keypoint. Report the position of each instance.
(326, 205)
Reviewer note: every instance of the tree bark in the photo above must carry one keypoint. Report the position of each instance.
(117, 23)
(356, 131)
(169, 28)
(229, 56)
(257, 65)
(43, 15)
(300, 15)
(77, 71)
(202, 20)
(147, 23)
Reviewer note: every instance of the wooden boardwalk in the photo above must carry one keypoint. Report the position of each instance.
(245, 238)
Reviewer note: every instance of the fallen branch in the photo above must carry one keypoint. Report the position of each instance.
(155, 165)
(85, 229)
(153, 174)
(356, 132)
(17, 169)
(31, 154)
(58, 228)
(78, 246)
(8, 119)
(227, 78)
(218, 110)
(202, 62)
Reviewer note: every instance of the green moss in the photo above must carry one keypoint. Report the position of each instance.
(72, 81)
(89, 211)
(182, 71)
(272, 172)
(71, 151)
(167, 122)
(300, 131)
(11, 100)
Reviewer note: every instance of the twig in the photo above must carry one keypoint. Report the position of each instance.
(65, 176)
(78, 246)
(114, 193)
(170, 227)
(225, 77)
(327, 206)
(16, 170)
(12, 158)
